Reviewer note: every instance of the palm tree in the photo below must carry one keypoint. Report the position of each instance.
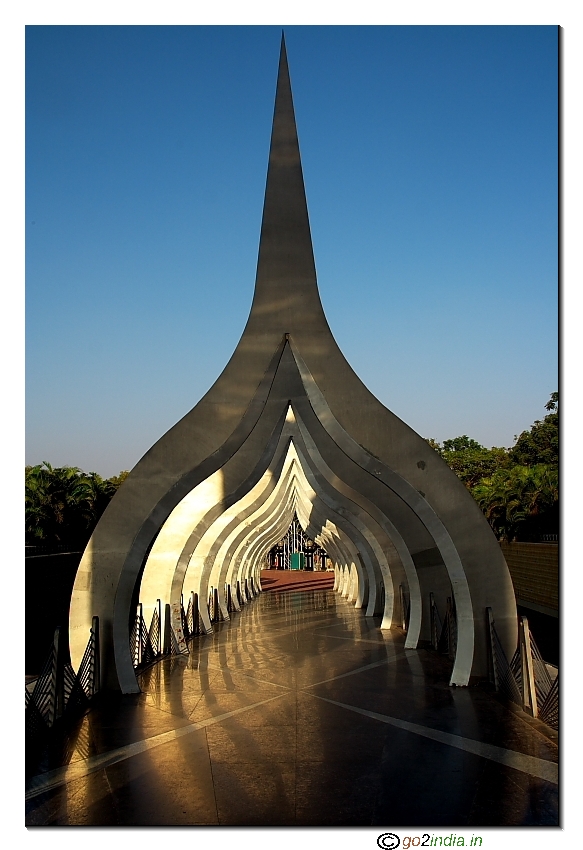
(63, 504)
(510, 497)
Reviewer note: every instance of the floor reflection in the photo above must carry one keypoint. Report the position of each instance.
(265, 723)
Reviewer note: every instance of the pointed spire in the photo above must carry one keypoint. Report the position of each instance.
(286, 258)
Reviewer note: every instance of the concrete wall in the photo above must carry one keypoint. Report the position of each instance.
(48, 588)
(534, 569)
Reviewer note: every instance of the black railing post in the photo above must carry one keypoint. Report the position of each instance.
(96, 685)
(159, 641)
(453, 624)
(167, 647)
(58, 682)
(195, 628)
(529, 701)
(492, 676)
(140, 634)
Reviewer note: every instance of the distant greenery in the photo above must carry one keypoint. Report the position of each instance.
(541, 443)
(63, 504)
(517, 488)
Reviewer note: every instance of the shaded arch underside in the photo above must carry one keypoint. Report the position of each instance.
(294, 457)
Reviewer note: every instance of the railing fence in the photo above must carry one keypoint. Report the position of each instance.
(59, 694)
(405, 608)
(168, 634)
(525, 680)
(443, 632)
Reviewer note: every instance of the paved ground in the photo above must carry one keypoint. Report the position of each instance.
(300, 712)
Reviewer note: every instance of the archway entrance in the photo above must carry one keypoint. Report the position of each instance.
(289, 436)
(296, 551)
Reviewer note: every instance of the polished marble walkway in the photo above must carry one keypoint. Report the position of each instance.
(299, 711)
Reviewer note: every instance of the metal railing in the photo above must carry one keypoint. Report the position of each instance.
(191, 618)
(168, 633)
(404, 608)
(215, 614)
(525, 680)
(443, 633)
(435, 624)
(382, 600)
(59, 694)
(145, 648)
(34, 551)
(147, 645)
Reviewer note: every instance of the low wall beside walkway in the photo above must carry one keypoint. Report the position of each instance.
(534, 569)
(49, 584)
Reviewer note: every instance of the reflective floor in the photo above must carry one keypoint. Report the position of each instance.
(299, 711)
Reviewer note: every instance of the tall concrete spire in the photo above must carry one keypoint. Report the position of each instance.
(286, 258)
(206, 503)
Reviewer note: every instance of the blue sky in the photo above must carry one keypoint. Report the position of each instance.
(429, 157)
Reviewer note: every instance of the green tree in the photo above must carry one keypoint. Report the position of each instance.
(499, 496)
(553, 402)
(518, 499)
(434, 444)
(540, 444)
(52, 496)
(471, 461)
(518, 488)
(63, 504)
(117, 480)
(461, 444)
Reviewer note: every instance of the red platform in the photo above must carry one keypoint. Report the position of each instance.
(296, 580)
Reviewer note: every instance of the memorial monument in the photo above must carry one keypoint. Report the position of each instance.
(288, 430)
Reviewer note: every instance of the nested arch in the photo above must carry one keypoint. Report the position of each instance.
(211, 494)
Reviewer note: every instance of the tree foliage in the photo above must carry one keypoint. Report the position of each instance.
(511, 498)
(469, 460)
(63, 504)
(540, 444)
(516, 488)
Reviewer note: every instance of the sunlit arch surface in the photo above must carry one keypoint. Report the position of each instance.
(288, 429)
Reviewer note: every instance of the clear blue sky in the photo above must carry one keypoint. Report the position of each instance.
(430, 161)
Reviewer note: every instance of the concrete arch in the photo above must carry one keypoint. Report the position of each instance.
(373, 491)
(220, 522)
